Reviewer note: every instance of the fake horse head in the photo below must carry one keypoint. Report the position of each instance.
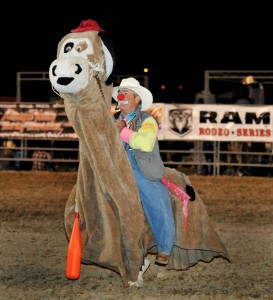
(84, 54)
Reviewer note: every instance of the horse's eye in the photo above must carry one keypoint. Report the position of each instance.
(78, 49)
(68, 47)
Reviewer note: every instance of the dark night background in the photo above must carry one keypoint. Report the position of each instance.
(176, 42)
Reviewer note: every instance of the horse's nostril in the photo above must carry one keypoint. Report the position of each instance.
(79, 69)
(53, 70)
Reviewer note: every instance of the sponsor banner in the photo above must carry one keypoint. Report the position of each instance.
(195, 122)
(34, 121)
(218, 122)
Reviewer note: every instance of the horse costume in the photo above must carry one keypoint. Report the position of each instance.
(114, 231)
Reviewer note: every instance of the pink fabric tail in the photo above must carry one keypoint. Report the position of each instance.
(181, 194)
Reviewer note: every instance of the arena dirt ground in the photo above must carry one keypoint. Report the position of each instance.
(33, 244)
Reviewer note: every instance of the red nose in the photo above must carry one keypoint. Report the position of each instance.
(120, 97)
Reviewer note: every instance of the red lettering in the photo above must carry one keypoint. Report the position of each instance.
(254, 132)
(214, 131)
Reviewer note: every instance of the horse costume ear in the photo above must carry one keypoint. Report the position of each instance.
(110, 61)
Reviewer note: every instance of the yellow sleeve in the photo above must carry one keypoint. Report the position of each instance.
(144, 139)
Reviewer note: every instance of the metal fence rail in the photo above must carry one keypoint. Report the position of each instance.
(217, 161)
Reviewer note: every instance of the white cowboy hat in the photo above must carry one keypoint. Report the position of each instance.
(132, 84)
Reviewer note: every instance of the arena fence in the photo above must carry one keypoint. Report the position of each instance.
(191, 156)
(203, 158)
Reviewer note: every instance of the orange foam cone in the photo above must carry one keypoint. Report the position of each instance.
(74, 251)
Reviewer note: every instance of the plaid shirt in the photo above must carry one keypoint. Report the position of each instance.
(39, 163)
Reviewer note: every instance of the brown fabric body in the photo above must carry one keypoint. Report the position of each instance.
(112, 220)
(114, 230)
(111, 216)
(200, 241)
